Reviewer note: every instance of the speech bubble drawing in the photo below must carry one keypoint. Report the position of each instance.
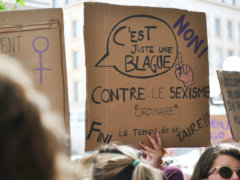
(140, 46)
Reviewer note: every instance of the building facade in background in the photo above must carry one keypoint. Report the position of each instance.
(39, 3)
(223, 27)
(30, 4)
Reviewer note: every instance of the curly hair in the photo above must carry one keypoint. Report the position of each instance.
(207, 159)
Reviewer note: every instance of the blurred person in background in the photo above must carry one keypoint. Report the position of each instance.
(30, 132)
(117, 162)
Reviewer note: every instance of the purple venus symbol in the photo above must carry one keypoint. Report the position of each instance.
(40, 52)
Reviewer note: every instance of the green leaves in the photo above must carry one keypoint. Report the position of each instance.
(3, 5)
(21, 2)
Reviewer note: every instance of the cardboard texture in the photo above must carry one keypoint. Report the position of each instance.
(35, 38)
(147, 71)
(230, 88)
(220, 129)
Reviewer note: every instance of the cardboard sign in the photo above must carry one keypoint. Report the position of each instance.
(35, 38)
(230, 88)
(220, 129)
(147, 71)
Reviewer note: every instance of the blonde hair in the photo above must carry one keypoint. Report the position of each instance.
(116, 162)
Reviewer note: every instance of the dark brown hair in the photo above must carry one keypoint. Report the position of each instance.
(27, 148)
(207, 159)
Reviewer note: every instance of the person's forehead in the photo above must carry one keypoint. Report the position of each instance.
(226, 160)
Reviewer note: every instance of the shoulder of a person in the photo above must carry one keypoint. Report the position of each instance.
(173, 173)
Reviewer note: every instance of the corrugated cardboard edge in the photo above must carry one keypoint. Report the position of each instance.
(86, 105)
(219, 73)
(220, 76)
(38, 16)
(29, 27)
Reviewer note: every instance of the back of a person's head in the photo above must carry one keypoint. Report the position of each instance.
(206, 160)
(26, 148)
(118, 162)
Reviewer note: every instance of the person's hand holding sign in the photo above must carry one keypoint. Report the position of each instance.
(154, 155)
(184, 72)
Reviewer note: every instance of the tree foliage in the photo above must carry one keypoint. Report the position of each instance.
(3, 5)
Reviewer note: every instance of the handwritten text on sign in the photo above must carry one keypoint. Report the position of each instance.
(230, 87)
(141, 59)
(146, 79)
(220, 129)
(181, 135)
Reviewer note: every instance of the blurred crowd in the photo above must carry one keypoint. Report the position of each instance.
(35, 146)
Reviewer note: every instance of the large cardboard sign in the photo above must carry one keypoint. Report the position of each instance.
(147, 71)
(35, 38)
(220, 129)
(230, 88)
